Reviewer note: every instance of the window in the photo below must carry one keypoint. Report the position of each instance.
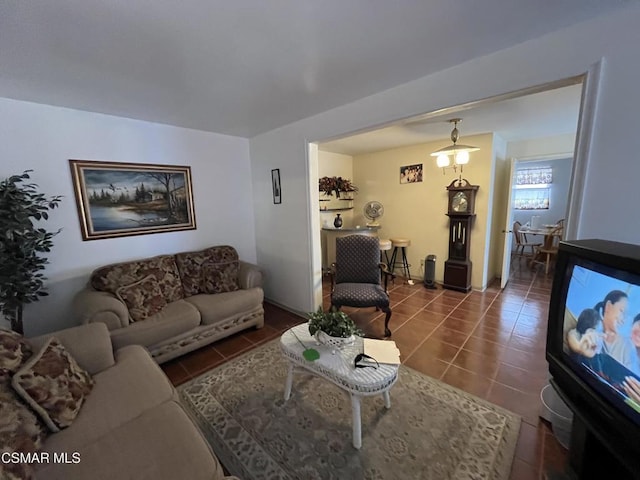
(533, 186)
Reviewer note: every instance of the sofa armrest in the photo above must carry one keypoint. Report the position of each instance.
(249, 275)
(93, 306)
(90, 345)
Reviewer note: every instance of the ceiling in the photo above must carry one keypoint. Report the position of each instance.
(245, 67)
(537, 115)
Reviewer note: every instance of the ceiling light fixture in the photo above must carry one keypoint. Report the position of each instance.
(460, 153)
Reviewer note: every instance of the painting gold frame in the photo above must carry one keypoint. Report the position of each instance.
(122, 199)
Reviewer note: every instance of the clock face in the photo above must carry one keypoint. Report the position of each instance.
(459, 203)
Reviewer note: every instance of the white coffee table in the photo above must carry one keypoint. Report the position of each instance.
(338, 368)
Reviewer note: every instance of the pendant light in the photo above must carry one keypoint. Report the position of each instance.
(459, 152)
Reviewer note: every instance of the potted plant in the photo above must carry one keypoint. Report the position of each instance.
(21, 243)
(333, 327)
(329, 185)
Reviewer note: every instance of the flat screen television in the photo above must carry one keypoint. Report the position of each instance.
(592, 359)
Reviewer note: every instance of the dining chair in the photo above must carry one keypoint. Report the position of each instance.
(522, 242)
(356, 276)
(547, 252)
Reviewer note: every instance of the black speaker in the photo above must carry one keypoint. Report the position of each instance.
(430, 272)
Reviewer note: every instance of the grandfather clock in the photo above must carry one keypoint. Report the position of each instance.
(461, 204)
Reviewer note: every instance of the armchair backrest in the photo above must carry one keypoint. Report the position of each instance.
(357, 259)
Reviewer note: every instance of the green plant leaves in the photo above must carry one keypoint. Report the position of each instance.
(333, 323)
(21, 242)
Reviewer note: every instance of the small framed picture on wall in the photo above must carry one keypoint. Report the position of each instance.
(411, 173)
(277, 188)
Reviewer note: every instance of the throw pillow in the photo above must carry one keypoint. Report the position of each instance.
(190, 267)
(20, 431)
(14, 351)
(143, 298)
(53, 384)
(219, 277)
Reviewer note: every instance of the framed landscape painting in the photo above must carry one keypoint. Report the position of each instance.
(122, 199)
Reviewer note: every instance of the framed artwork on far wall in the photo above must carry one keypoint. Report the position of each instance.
(123, 199)
(411, 173)
(277, 188)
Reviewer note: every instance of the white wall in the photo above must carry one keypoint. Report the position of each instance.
(541, 147)
(284, 236)
(43, 138)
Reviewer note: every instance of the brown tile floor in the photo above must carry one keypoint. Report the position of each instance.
(490, 344)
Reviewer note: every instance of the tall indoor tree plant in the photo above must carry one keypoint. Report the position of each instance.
(21, 244)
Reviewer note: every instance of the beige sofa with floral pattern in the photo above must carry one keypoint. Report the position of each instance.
(124, 420)
(173, 304)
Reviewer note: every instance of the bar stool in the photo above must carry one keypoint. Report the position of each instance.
(402, 244)
(385, 246)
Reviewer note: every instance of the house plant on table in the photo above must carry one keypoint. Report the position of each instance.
(21, 243)
(333, 328)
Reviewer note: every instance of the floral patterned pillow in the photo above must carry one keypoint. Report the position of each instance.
(53, 384)
(20, 431)
(143, 298)
(219, 277)
(14, 351)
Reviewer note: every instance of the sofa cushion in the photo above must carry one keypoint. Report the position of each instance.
(174, 319)
(53, 384)
(89, 345)
(121, 393)
(222, 306)
(219, 277)
(20, 431)
(163, 442)
(190, 265)
(111, 277)
(14, 351)
(143, 298)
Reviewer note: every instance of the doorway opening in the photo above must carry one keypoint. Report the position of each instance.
(586, 85)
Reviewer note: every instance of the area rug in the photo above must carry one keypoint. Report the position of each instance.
(431, 431)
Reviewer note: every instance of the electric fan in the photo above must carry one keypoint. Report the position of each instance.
(373, 210)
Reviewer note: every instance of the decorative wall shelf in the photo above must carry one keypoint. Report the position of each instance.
(335, 209)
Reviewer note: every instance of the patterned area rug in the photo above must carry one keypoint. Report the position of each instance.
(432, 431)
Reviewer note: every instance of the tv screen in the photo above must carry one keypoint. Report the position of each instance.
(593, 346)
(599, 332)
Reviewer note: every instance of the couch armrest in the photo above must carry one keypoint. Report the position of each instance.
(249, 275)
(90, 345)
(93, 306)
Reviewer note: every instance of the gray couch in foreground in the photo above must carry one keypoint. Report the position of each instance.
(173, 304)
(131, 425)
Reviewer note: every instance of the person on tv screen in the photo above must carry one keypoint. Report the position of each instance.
(631, 384)
(635, 334)
(631, 387)
(620, 348)
(586, 339)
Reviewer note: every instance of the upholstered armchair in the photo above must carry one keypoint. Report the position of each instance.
(356, 276)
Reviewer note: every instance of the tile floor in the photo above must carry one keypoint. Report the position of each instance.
(490, 344)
